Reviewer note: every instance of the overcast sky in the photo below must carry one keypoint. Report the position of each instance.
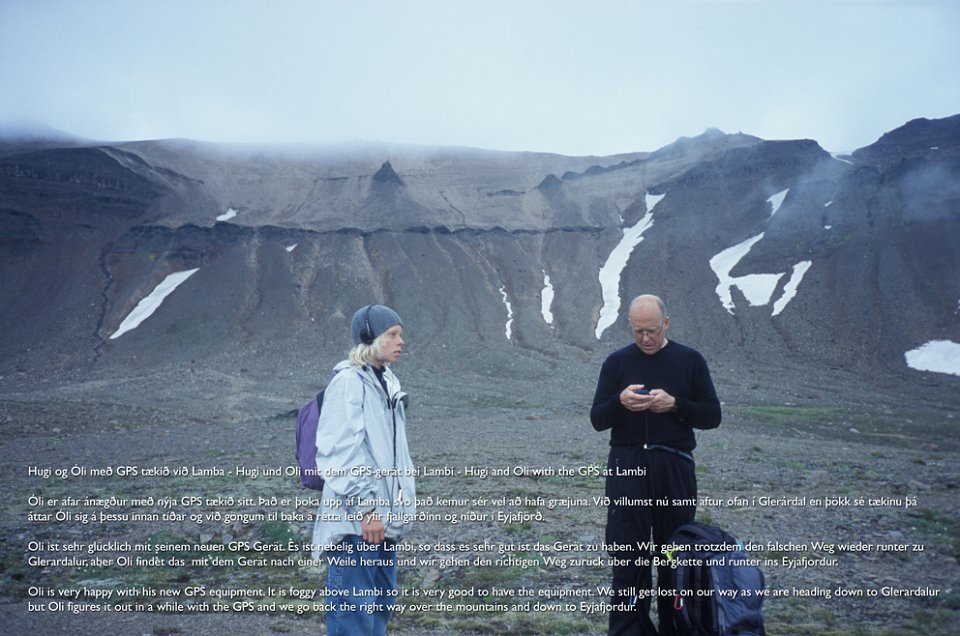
(575, 77)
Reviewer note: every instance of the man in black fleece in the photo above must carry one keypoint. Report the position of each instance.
(650, 395)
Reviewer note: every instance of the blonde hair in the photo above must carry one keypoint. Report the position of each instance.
(364, 354)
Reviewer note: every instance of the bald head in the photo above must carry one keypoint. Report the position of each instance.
(648, 301)
(649, 322)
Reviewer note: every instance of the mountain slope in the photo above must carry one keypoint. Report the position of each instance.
(770, 255)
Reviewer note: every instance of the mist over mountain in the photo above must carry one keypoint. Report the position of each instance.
(786, 266)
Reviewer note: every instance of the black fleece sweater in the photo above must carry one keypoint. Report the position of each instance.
(680, 371)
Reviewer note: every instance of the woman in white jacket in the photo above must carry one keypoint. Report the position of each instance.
(369, 495)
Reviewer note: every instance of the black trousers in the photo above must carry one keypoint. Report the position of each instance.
(641, 506)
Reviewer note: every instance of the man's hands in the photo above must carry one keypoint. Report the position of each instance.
(657, 400)
(372, 527)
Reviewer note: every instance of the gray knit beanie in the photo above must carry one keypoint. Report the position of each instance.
(371, 321)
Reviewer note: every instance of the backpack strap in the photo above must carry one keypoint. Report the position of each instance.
(696, 612)
(680, 603)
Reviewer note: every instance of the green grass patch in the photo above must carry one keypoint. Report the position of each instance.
(934, 526)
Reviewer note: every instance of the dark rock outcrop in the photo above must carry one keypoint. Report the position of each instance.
(766, 251)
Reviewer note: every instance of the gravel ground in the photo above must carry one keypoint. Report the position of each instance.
(868, 475)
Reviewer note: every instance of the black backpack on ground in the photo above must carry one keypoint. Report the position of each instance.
(718, 592)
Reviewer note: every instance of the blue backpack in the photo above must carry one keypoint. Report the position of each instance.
(307, 419)
(718, 592)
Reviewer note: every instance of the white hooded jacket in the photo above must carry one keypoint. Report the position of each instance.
(363, 457)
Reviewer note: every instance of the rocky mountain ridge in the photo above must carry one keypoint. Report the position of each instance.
(773, 256)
